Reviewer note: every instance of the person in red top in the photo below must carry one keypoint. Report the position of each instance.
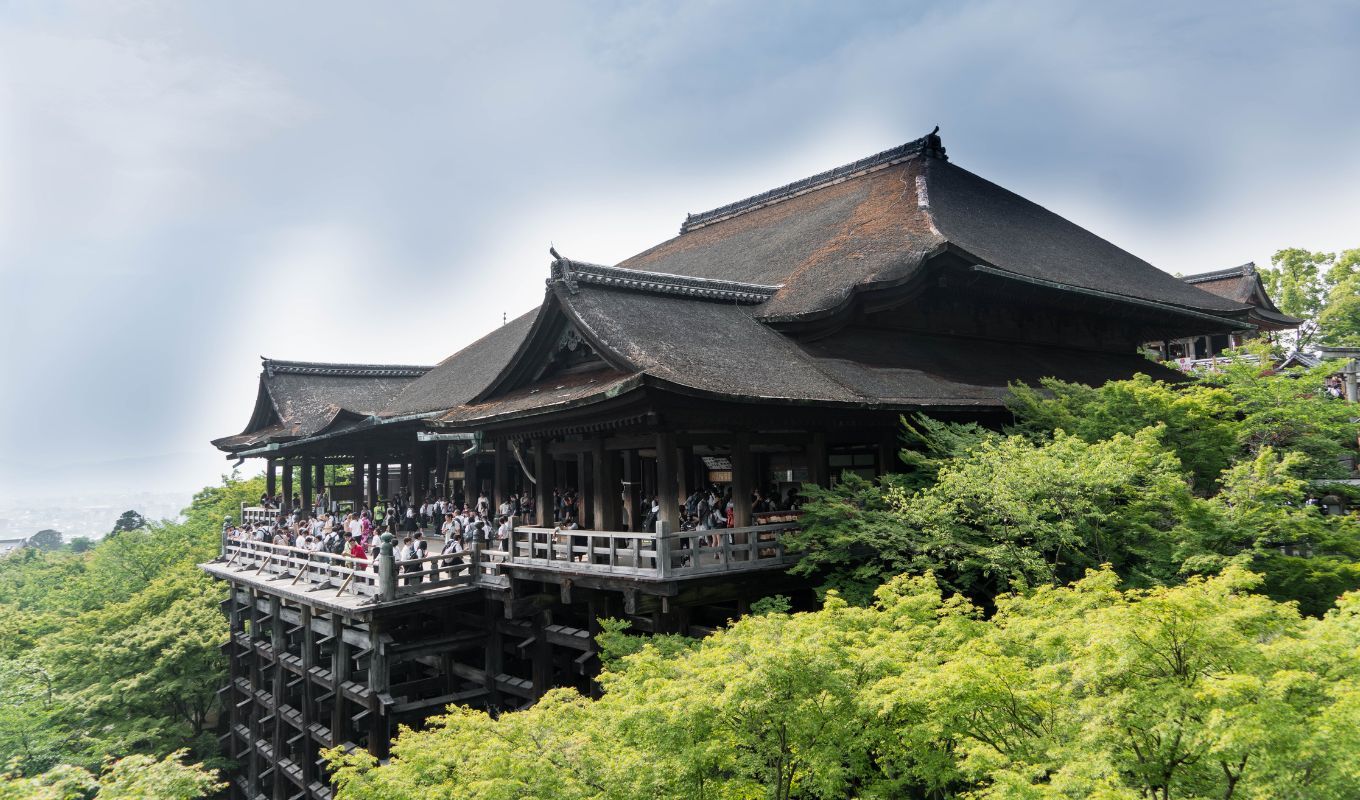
(356, 550)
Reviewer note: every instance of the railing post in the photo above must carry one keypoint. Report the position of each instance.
(663, 548)
(387, 569)
(475, 568)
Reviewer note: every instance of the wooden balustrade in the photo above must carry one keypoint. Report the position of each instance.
(644, 555)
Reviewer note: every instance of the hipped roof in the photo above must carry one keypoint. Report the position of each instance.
(301, 398)
(1242, 284)
(709, 311)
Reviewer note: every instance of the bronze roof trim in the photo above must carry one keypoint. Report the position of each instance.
(928, 145)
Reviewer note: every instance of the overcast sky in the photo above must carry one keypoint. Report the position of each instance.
(185, 187)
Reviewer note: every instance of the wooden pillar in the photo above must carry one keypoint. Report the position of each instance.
(887, 455)
(340, 673)
(378, 679)
(666, 487)
(418, 475)
(543, 475)
(585, 494)
(582, 472)
(542, 654)
(741, 479)
(472, 484)
(269, 485)
(357, 484)
(493, 663)
(605, 494)
(384, 480)
(441, 468)
(319, 485)
(372, 480)
(405, 477)
(288, 483)
(816, 460)
(309, 660)
(685, 472)
(500, 481)
(307, 472)
(632, 484)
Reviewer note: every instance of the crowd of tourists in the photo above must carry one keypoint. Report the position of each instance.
(356, 534)
(457, 525)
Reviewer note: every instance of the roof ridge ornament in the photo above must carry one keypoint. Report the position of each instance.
(574, 273)
(930, 146)
(273, 367)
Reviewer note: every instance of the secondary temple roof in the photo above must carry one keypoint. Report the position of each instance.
(1242, 284)
(714, 311)
(302, 398)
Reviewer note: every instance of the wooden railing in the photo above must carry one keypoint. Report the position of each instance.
(650, 555)
(656, 556)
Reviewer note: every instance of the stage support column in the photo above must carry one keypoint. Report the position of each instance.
(269, 483)
(372, 480)
(583, 515)
(307, 472)
(741, 479)
(606, 488)
(420, 476)
(666, 493)
(816, 458)
(288, 483)
(543, 486)
(357, 485)
(684, 470)
(319, 479)
(500, 482)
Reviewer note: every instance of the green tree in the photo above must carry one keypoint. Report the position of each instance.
(136, 777)
(1321, 288)
(129, 521)
(1008, 514)
(46, 539)
(81, 544)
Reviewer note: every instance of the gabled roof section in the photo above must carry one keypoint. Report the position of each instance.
(1243, 284)
(927, 145)
(301, 398)
(876, 222)
(461, 376)
(574, 273)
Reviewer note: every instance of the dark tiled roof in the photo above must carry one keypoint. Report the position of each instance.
(878, 225)
(574, 273)
(458, 378)
(301, 398)
(276, 367)
(926, 145)
(1242, 284)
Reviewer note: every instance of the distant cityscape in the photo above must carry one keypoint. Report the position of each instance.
(88, 515)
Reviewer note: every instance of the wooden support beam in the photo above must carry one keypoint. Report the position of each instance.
(543, 475)
(357, 484)
(270, 486)
(741, 478)
(288, 483)
(816, 459)
(582, 472)
(500, 481)
(307, 473)
(666, 485)
(605, 488)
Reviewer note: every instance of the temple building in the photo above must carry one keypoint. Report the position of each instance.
(773, 342)
(1240, 284)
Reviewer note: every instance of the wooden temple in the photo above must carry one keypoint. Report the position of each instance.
(775, 341)
(1241, 284)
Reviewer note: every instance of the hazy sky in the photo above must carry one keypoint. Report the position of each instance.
(187, 186)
